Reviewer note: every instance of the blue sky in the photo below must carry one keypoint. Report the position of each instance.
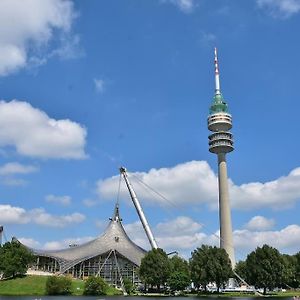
(87, 86)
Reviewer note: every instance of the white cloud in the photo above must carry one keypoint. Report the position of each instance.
(187, 6)
(62, 200)
(99, 85)
(13, 215)
(191, 182)
(184, 235)
(285, 240)
(185, 238)
(29, 242)
(17, 215)
(11, 181)
(34, 134)
(280, 8)
(195, 183)
(28, 27)
(13, 168)
(41, 217)
(90, 202)
(260, 223)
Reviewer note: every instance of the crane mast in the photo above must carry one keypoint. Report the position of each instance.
(139, 209)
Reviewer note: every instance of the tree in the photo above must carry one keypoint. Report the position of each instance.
(14, 259)
(58, 285)
(155, 268)
(297, 267)
(129, 286)
(210, 264)
(265, 268)
(289, 271)
(95, 286)
(240, 269)
(179, 277)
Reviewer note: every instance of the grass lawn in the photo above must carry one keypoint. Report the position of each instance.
(27, 285)
(35, 285)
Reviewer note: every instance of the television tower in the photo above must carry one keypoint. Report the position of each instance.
(221, 142)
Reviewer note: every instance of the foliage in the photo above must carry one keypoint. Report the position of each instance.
(240, 269)
(95, 286)
(180, 274)
(155, 268)
(14, 259)
(129, 286)
(297, 268)
(210, 264)
(58, 285)
(290, 271)
(178, 281)
(265, 268)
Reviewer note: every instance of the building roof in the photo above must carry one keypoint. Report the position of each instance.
(113, 238)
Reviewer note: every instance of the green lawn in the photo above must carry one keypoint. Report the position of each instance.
(28, 285)
(35, 285)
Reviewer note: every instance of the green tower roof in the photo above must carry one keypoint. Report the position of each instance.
(218, 105)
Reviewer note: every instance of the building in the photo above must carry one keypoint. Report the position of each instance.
(113, 256)
(221, 142)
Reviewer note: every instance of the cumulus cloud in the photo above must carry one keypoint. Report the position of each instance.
(13, 168)
(17, 215)
(13, 215)
(62, 200)
(33, 133)
(280, 8)
(9, 170)
(28, 27)
(260, 223)
(99, 85)
(196, 183)
(187, 6)
(191, 182)
(188, 235)
(184, 235)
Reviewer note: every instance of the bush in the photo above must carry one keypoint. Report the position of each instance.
(58, 285)
(95, 286)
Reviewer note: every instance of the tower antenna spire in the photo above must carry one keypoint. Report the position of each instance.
(217, 74)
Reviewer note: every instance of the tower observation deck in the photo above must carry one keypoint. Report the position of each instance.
(219, 121)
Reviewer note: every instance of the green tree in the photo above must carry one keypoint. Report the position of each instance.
(240, 269)
(14, 259)
(58, 285)
(155, 268)
(179, 277)
(95, 286)
(210, 264)
(297, 267)
(265, 268)
(129, 286)
(289, 278)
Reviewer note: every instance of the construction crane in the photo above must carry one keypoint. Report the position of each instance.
(139, 209)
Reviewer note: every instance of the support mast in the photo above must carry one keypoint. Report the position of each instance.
(139, 209)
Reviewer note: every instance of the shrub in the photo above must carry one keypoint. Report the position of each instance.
(58, 285)
(95, 286)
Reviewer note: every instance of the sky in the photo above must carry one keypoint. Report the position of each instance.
(89, 86)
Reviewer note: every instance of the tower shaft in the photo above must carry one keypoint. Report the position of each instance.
(226, 240)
